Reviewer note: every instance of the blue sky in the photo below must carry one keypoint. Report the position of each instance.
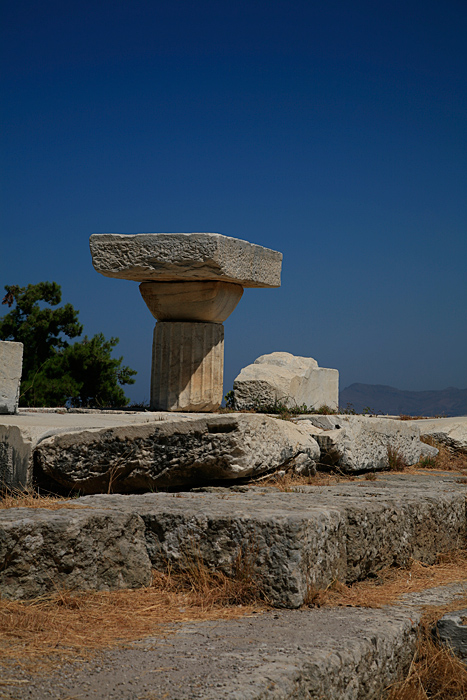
(334, 132)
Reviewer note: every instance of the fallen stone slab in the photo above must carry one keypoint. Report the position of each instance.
(42, 551)
(325, 654)
(360, 443)
(159, 257)
(11, 367)
(289, 541)
(452, 432)
(280, 377)
(173, 453)
(21, 433)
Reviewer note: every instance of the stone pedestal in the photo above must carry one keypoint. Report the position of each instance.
(187, 366)
(191, 282)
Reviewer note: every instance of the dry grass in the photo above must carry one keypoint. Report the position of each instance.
(16, 498)
(67, 625)
(435, 672)
(290, 480)
(392, 583)
(445, 460)
(396, 460)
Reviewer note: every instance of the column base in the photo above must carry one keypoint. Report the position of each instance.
(187, 366)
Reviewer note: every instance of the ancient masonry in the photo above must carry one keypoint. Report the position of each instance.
(191, 282)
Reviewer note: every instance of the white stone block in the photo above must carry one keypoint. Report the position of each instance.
(11, 365)
(282, 377)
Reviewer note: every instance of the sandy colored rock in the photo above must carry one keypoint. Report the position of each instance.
(172, 453)
(285, 378)
(11, 367)
(312, 535)
(162, 257)
(187, 366)
(207, 301)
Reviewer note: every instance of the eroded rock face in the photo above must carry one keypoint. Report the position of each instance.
(285, 378)
(176, 453)
(85, 549)
(360, 443)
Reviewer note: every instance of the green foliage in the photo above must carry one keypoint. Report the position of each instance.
(55, 372)
(229, 399)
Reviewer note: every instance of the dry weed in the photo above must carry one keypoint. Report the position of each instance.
(396, 460)
(394, 582)
(435, 672)
(70, 625)
(28, 498)
(445, 460)
(290, 480)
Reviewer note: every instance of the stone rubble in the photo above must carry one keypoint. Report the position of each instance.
(360, 443)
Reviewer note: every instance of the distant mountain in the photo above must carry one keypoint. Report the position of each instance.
(386, 399)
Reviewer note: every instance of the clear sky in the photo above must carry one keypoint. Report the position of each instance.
(334, 132)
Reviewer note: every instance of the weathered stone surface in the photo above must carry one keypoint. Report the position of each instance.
(185, 256)
(286, 540)
(360, 443)
(451, 630)
(291, 540)
(42, 550)
(208, 301)
(452, 432)
(282, 377)
(20, 433)
(11, 367)
(172, 453)
(317, 654)
(187, 366)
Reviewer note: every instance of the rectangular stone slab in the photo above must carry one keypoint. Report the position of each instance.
(185, 256)
(288, 541)
(295, 540)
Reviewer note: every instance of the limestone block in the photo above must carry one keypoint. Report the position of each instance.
(311, 536)
(187, 366)
(162, 257)
(209, 301)
(360, 443)
(172, 453)
(86, 549)
(282, 377)
(20, 433)
(11, 366)
(452, 432)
